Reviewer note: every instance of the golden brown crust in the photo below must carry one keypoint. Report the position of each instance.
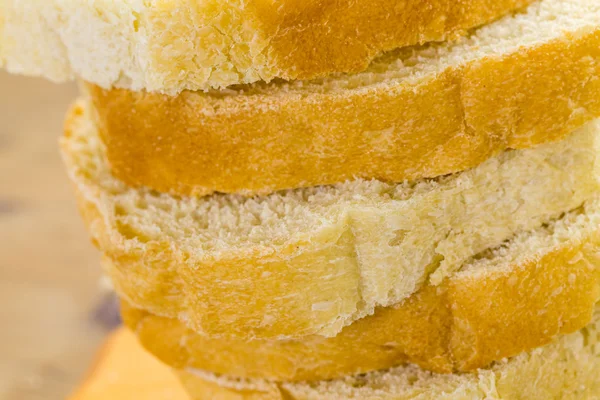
(314, 282)
(169, 46)
(464, 324)
(197, 143)
(565, 369)
(568, 368)
(202, 389)
(315, 38)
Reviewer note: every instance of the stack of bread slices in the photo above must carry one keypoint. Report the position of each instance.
(365, 199)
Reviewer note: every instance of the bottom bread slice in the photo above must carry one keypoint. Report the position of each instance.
(567, 369)
(510, 299)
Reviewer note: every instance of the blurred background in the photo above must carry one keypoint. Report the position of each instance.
(50, 291)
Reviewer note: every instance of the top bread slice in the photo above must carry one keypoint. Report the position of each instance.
(172, 45)
(310, 261)
(567, 369)
(417, 113)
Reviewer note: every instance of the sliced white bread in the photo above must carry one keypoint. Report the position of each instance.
(511, 299)
(314, 260)
(567, 369)
(171, 45)
(417, 113)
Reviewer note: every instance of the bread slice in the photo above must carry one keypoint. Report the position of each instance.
(172, 45)
(311, 261)
(417, 113)
(567, 369)
(508, 300)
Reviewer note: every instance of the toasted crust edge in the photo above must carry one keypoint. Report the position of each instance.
(171, 144)
(568, 368)
(462, 325)
(152, 276)
(248, 43)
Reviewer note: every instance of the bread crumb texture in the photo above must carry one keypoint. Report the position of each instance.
(172, 45)
(527, 79)
(504, 301)
(566, 369)
(311, 261)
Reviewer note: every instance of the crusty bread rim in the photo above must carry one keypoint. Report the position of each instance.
(330, 271)
(475, 317)
(420, 113)
(169, 46)
(565, 369)
(568, 368)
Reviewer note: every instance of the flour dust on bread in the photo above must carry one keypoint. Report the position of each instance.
(172, 45)
(567, 369)
(311, 261)
(514, 298)
(416, 113)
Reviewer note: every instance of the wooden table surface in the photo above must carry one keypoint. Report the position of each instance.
(49, 271)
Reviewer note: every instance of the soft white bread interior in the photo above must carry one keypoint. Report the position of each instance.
(568, 369)
(311, 261)
(519, 296)
(171, 45)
